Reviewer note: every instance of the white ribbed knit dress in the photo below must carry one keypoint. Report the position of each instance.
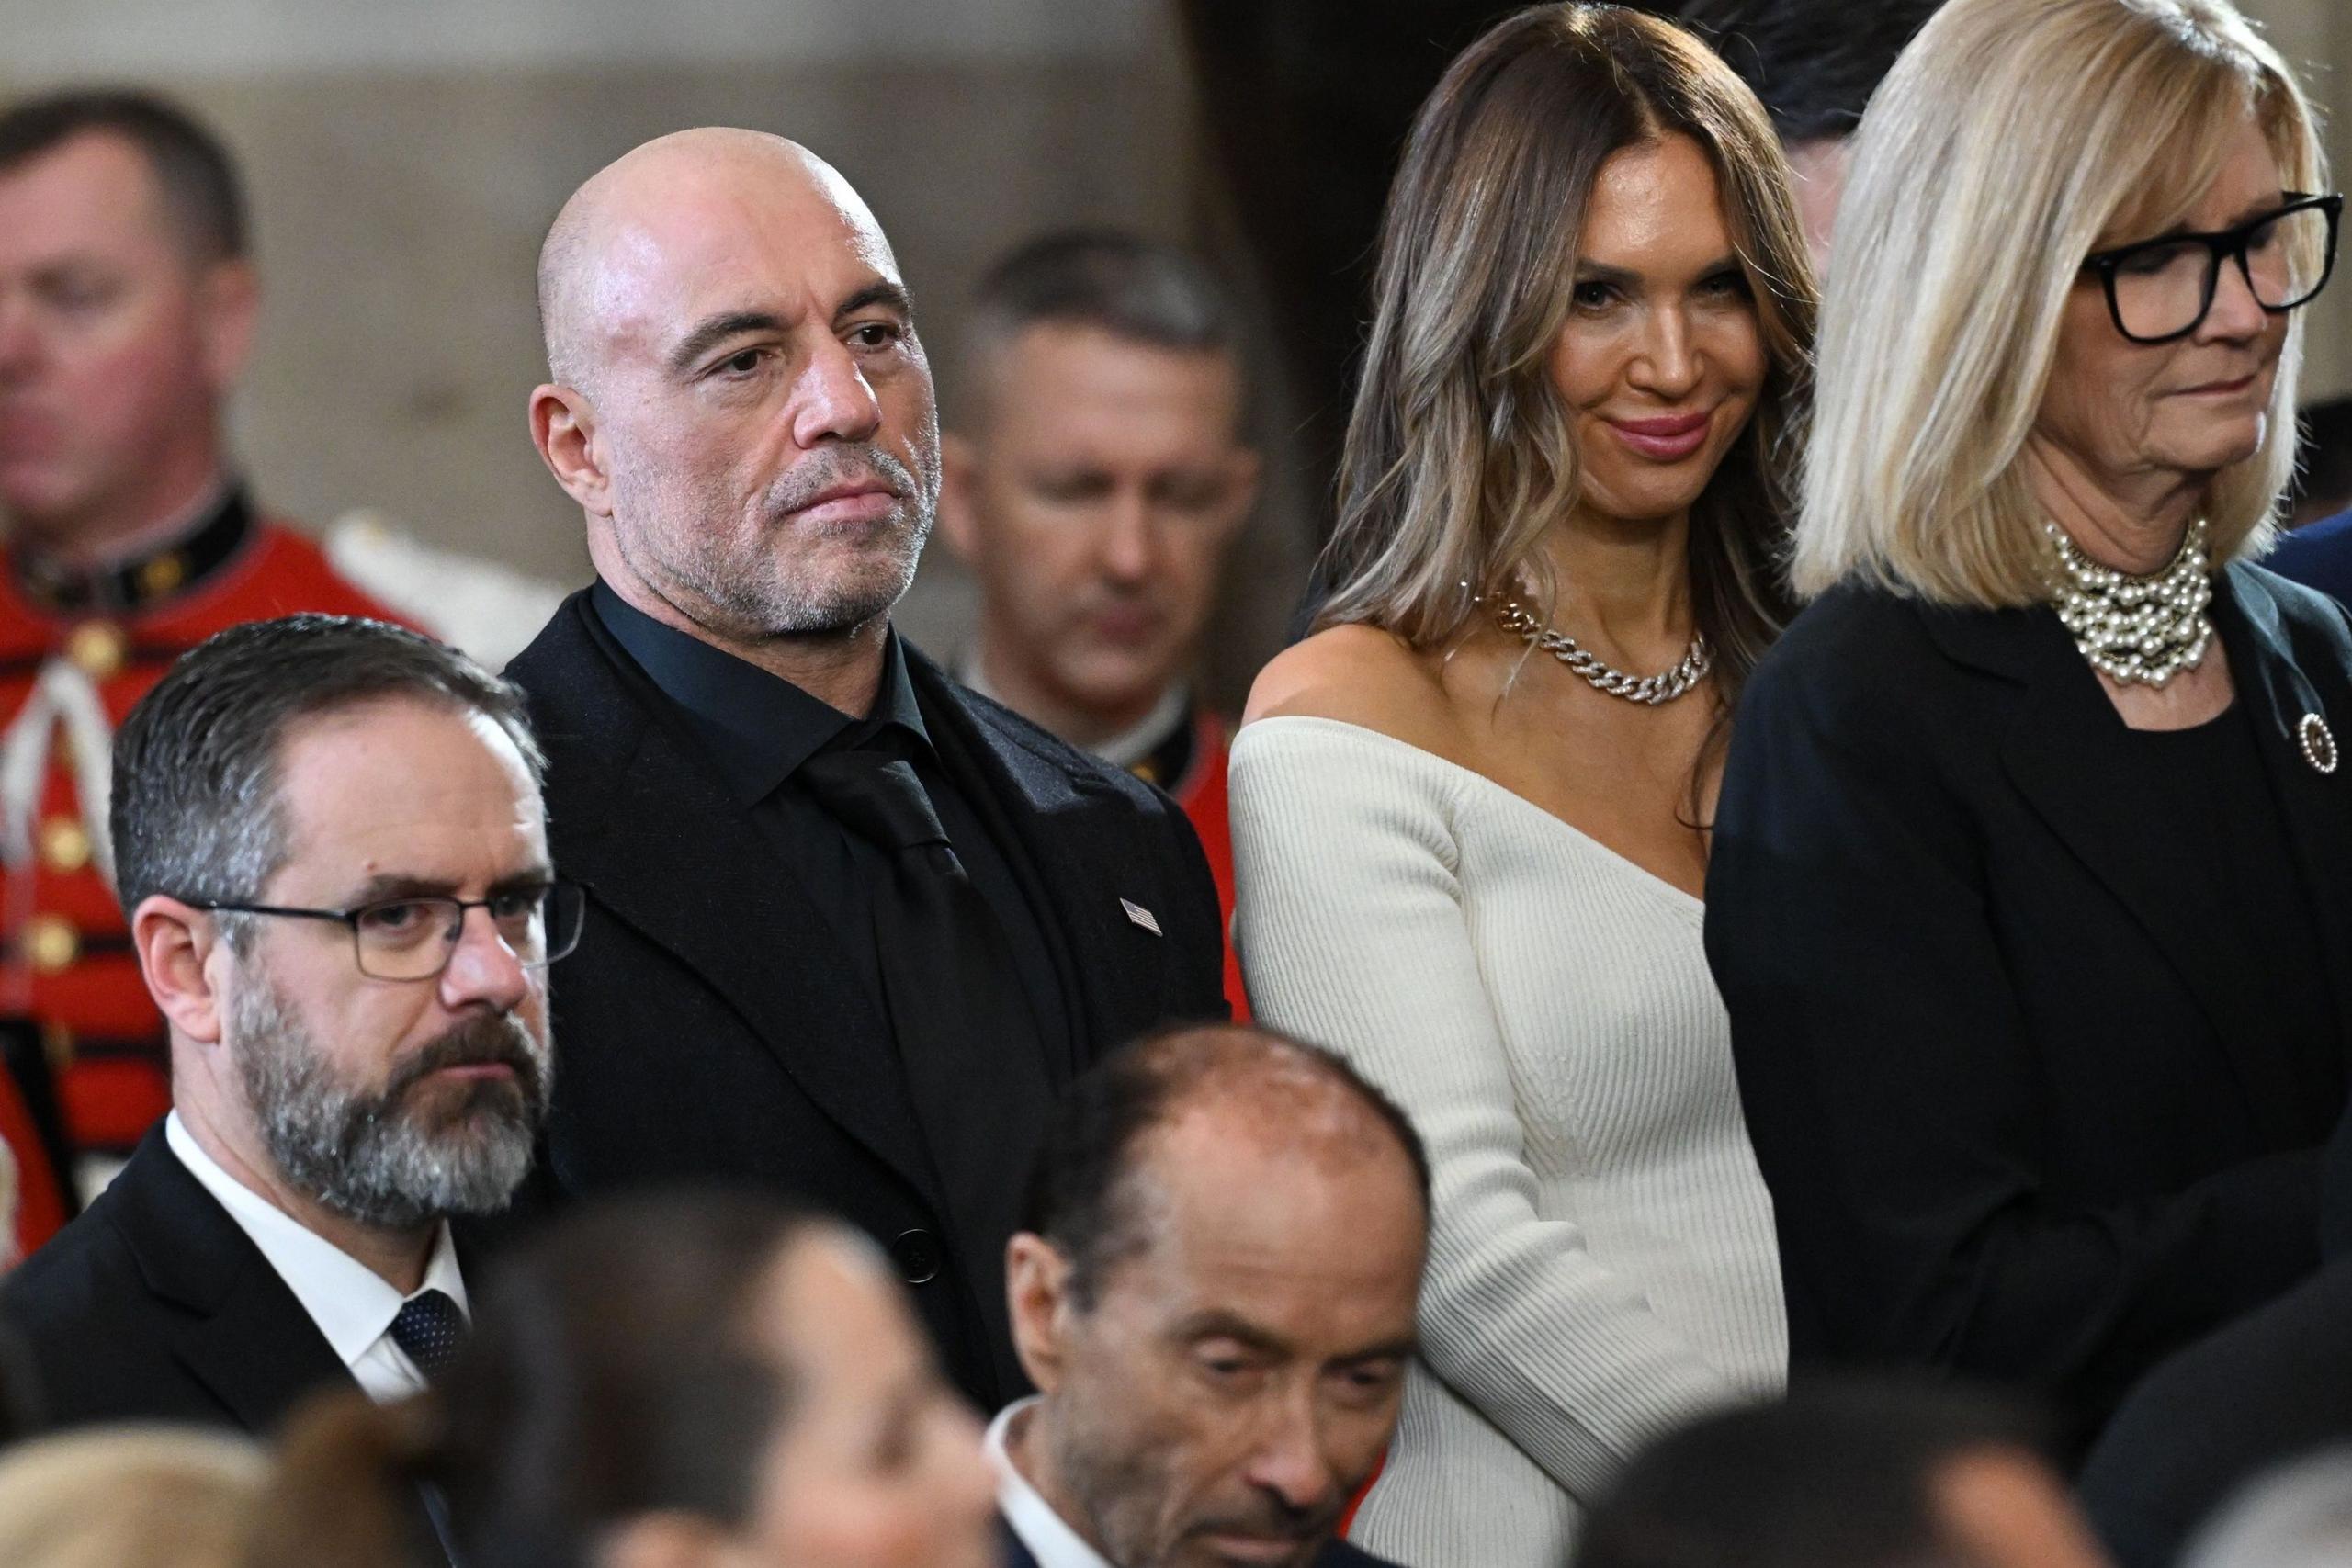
(1603, 1263)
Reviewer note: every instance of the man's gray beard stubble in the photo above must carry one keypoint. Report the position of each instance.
(757, 600)
(362, 1154)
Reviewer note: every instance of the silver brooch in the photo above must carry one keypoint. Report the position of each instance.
(2317, 741)
(1650, 691)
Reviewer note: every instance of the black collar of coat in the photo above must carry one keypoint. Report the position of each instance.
(179, 566)
(758, 728)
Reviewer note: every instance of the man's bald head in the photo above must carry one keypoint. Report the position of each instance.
(739, 402)
(615, 223)
(1229, 1085)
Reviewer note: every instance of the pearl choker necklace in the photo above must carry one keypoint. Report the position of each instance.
(2136, 630)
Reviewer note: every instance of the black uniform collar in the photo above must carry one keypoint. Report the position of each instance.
(1169, 765)
(178, 567)
(757, 727)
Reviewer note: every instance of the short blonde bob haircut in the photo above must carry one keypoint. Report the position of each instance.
(2012, 140)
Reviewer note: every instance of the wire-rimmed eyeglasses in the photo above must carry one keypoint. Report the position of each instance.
(414, 938)
(2160, 291)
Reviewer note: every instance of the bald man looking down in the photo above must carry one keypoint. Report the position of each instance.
(849, 927)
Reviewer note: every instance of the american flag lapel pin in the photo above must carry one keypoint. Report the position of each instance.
(1141, 916)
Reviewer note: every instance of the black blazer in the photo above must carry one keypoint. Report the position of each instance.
(2272, 1387)
(1972, 1018)
(710, 1025)
(154, 1305)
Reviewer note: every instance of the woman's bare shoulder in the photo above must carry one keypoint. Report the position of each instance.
(1359, 675)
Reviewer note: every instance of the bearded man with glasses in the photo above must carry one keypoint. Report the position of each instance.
(330, 839)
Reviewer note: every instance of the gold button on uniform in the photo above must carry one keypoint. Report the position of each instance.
(51, 943)
(99, 648)
(64, 845)
(162, 574)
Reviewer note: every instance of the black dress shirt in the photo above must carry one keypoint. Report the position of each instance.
(759, 729)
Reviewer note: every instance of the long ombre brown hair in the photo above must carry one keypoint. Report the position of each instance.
(1459, 456)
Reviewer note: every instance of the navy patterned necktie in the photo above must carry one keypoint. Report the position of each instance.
(430, 1330)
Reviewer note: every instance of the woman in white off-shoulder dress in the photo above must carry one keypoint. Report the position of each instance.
(1468, 849)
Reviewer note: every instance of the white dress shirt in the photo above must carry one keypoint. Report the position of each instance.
(1049, 1537)
(352, 1305)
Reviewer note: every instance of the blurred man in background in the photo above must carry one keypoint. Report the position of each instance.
(1844, 1475)
(127, 299)
(1219, 1374)
(1093, 480)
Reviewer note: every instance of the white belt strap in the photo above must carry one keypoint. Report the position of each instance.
(62, 693)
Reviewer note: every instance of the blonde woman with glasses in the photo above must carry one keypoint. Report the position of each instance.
(2033, 870)
(1468, 812)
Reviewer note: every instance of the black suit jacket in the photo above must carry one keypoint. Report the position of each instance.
(1335, 1554)
(1974, 1021)
(154, 1305)
(2272, 1387)
(710, 1025)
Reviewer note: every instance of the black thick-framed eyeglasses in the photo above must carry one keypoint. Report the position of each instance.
(2160, 291)
(414, 938)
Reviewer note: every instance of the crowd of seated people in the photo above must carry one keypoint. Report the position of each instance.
(1790, 896)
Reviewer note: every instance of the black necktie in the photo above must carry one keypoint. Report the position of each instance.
(966, 1039)
(430, 1330)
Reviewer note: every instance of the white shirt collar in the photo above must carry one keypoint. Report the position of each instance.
(1049, 1537)
(1128, 747)
(353, 1306)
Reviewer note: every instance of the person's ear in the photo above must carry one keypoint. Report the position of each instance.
(229, 313)
(670, 1540)
(563, 427)
(959, 476)
(1036, 1288)
(175, 943)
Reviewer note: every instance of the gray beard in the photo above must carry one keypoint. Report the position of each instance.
(366, 1154)
(743, 594)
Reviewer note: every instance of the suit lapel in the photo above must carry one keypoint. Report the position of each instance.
(257, 1351)
(2114, 821)
(663, 847)
(2315, 806)
(244, 1337)
(1039, 809)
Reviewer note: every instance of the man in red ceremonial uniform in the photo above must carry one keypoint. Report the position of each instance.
(126, 306)
(1093, 482)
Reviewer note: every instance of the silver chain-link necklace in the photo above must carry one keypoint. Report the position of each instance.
(2136, 630)
(1650, 689)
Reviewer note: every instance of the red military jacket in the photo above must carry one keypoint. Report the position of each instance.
(76, 651)
(1190, 766)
